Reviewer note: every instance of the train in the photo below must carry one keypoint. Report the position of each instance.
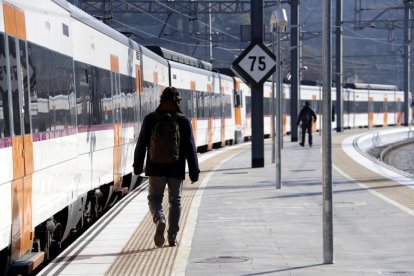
(73, 94)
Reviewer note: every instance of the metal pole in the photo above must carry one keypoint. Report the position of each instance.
(278, 122)
(280, 94)
(407, 58)
(256, 18)
(209, 34)
(273, 98)
(327, 139)
(294, 60)
(339, 67)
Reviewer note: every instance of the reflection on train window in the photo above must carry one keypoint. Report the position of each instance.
(4, 95)
(116, 90)
(227, 106)
(286, 106)
(248, 106)
(267, 106)
(150, 97)
(14, 87)
(52, 101)
(101, 103)
(200, 104)
(82, 94)
(379, 107)
(25, 82)
(127, 99)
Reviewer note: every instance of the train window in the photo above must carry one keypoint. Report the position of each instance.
(60, 86)
(361, 107)
(52, 99)
(378, 107)
(4, 95)
(199, 104)
(186, 102)
(101, 100)
(216, 106)
(83, 94)
(127, 99)
(14, 87)
(115, 85)
(227, 106)
(237, 99)
(391, 107)
(286, 106)
(65, 29)
(82, 75)
(26, 105)
(39, 88)
(145, 99)
(347, 107)
(267, 106)
(105, 96)
(248, 106)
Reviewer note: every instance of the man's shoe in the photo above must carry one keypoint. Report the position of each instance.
(301, 144)
(310, 145)
(159, 233)
(172, 242)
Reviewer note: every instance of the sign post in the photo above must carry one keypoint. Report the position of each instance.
(255, 65)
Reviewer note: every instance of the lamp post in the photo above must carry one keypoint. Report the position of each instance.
(272, 119)
(279, 18)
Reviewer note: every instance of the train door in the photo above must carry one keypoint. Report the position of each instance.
(221, 109)
(116, 99)
(238, 105)
(22, 146)
(137, 106)
(194, 109)
(208, 112)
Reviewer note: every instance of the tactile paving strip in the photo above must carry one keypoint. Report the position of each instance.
(393, 190)
(140, 256)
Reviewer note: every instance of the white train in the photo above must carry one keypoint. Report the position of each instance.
(73, 93)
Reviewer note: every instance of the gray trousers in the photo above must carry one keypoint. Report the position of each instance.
(155, 195)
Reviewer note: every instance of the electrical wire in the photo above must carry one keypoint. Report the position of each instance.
(205, 24)
(369, 38)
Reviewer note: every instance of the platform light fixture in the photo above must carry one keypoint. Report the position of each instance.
(278, 22)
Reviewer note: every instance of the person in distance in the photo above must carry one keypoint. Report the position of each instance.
(306, 118)
(167, 139)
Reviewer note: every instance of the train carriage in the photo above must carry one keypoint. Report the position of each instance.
(226, 85)
(70, 102)
(267, 108)
(369, 105)
(36, 58)
(195, 87)
(242, 110)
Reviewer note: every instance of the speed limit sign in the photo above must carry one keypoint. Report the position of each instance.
(255, 64)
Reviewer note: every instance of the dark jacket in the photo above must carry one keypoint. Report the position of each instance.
(307, 116)
(187, 148)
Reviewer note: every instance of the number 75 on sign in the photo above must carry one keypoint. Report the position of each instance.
(255, 64)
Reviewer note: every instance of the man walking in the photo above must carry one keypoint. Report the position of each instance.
(306, 118)
(166, 135)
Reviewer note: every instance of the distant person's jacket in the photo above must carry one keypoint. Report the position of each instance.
(306, 117)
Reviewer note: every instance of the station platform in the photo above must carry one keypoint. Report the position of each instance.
(235, 222)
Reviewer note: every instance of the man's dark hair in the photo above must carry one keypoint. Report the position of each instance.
(170, 94)
(307, 103)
